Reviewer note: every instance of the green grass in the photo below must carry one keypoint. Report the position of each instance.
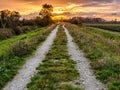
(57, 68)
(8, 32)
(103, 51)
(102, 24)
(105, 34)
(111, 27)
(15, 51)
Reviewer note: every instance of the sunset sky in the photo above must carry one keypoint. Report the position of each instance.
(107, 9)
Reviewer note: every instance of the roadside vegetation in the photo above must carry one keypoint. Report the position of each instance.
(7, 33)
(103, 51)
(15, 51)
(57, 70)
(12, 24)
(111, 27)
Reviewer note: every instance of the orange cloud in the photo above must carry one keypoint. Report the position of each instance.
(108, 9)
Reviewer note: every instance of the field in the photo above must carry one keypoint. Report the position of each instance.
(111, 27)
(103, 51)
(59, 70)
(60, 45)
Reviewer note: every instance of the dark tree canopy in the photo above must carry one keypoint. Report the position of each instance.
(46, 13)
(8, 17)
(46, 10)
(4, 15)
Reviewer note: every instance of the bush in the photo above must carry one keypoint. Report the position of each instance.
(6, 33)
(18, 30)
(21, 48)
(24, 29)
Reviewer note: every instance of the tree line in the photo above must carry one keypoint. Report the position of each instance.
(11, 19)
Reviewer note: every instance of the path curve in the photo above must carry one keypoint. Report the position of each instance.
(89, 81)
(29, 69)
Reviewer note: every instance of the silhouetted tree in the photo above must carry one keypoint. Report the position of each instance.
(46, 10)
(46, 13)
(4, 16)
(9, 18)
(14, 19)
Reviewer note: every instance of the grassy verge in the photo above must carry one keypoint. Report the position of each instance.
(8, 32)
(102, 49)
(57, 70)
(111, 27)
(15, 51)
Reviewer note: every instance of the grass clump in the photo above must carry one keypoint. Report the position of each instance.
(114, 85)
(68, 87)
(52, 74)
(56, 69)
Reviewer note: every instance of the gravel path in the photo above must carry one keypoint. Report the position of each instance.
(83, 66)
(29, 69)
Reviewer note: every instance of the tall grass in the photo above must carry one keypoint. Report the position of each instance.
(15, 51)
(103, 51)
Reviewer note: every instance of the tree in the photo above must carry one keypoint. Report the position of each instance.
(14, 19)
(15, 15)
(4, 16)
(46, 13)
(46, 10)
(9, 18)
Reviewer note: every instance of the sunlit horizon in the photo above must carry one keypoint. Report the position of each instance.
(106, 9)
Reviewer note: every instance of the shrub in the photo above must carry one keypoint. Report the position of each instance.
(6, 33)
(24, 29)
(21, 48)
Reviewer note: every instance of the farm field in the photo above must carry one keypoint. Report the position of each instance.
(16, 50)
(65, 66)
(60, 45)
(109, 27)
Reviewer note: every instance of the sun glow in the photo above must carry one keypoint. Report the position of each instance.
(59, 17)
(84, 8)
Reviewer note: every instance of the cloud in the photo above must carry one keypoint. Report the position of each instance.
(93, 8)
